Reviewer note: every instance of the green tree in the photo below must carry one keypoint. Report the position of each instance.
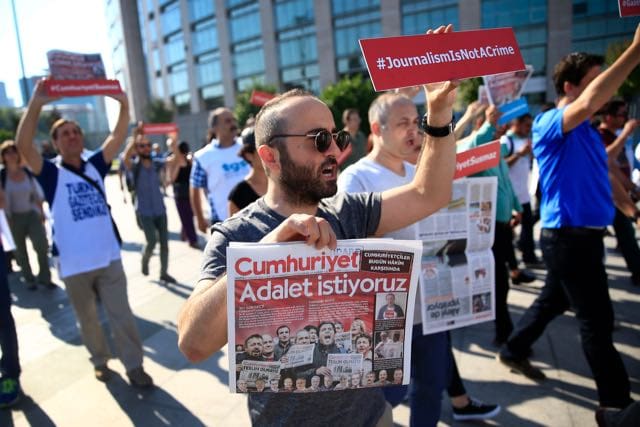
(9, 118)
(159, 112)
(468, 90)
(631, 86)
(350, 92)
(244, 109)
(6, 134)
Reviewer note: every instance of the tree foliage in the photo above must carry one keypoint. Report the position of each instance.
(158, 111)
(631, 86)
(468, 90)
(244, 109)
(9, 118)
(350, 92)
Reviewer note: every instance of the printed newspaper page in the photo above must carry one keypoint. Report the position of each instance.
(75, 66)
(307, 320)
(457, 275)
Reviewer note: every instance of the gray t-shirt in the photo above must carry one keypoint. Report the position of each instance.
(352, 216)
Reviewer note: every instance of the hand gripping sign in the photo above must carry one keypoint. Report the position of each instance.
(78, 74)
(395, 62)
(629, 8)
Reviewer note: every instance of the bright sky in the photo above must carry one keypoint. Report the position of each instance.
(72, 25)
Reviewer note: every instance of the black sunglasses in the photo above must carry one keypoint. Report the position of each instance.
(322, 139)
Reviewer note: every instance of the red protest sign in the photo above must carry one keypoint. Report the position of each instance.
(159, 128)
(260, 98)
(396, 62)
(629, 8)
(477, 159)
(82, 87)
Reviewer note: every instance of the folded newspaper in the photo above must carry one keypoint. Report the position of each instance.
(457, 268)
(308, 320)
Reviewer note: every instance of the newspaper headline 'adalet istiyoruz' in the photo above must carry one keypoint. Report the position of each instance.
(308, 320)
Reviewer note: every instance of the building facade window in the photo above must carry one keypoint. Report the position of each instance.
(246, 43)
(597, 24)
(297, 46)
(175, 49)
(204, 37)
(199, 9)
(353, 20)
(420, 15)
(529, 21)
(170, 18)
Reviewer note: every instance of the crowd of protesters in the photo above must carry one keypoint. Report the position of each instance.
(277, 186)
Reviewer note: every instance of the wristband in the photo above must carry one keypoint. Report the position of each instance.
(438, 132)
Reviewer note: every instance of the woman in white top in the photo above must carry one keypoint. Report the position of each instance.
(24, 212)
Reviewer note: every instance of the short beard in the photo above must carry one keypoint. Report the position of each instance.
(303, 186)
(144, 156)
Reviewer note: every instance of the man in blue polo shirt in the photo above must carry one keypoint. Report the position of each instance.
(576, 207)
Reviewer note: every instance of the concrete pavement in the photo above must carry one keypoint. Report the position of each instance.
(60, 388)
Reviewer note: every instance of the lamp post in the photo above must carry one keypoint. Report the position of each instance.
(23, 81)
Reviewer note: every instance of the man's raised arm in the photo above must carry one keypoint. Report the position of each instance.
(602, 88)
(430, 189)
(116, 138)
(27, 128)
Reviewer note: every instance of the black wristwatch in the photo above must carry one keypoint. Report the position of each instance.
(438, 132)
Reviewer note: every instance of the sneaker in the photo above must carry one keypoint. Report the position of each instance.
(139, 378)
(167, 278)
(523, 276)
(9, 392)
(103, 373)
(475, 410)
(523, 367)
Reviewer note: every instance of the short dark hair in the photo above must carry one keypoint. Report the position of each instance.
(183, 147)
(309, 327)
(53, 132)
(280, 327)
(611, 108)
(246, 341)
(248, 142)
(347, 113)
(326, 322)
(269, 121)
(366, 336)
(572, 68)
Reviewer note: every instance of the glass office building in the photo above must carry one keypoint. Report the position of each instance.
(199, 54)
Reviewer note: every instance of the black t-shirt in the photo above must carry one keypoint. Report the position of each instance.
(243, 194)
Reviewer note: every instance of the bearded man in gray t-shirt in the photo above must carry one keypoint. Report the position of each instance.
(300, 204)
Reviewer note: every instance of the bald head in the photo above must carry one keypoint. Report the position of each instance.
(273, 117)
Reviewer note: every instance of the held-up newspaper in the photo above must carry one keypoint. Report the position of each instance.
(308, 320)
(457, 267)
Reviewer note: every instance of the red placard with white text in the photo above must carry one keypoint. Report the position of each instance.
(260, 98)
(477, 159)
(159, 128)
(82, 87)
(629, 8)
(396, 62)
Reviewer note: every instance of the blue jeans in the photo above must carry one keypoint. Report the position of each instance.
(155, 230)
(576, 279)
(9, 364)
(430, 373)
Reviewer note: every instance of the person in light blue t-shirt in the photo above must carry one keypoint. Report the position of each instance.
(576, 207)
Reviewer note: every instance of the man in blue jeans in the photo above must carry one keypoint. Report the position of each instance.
(576, 207)
(150, 209)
